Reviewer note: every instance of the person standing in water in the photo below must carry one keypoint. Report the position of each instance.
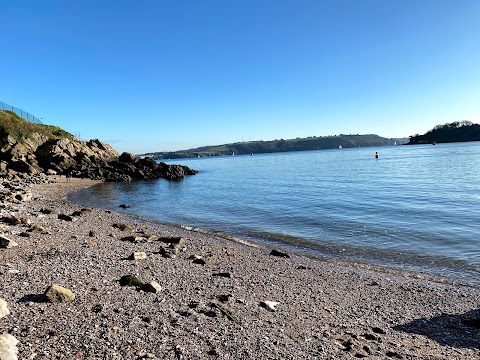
(376, 154)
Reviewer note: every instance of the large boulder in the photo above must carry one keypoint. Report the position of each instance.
(67, 153)
(58, 294)
(30, 150)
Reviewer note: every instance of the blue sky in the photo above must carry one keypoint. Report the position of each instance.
(156, 75)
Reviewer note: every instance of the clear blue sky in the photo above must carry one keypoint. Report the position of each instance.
(157, 75)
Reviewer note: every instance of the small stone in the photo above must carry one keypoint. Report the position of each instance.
(47, 211)
(167, 253)
(279, 254)
(37, 228)
(130, 280)
(4, 311)
(150, 236)
(24, 197)
(138, 255)
(9, 347)
(97, 308)
(7, 243)
(178, 241)
(81, 212)
(152, 287)
(25, 221)
(134, 239)
(270, 305)
(92, 233)
(123, 227)
(58, 294)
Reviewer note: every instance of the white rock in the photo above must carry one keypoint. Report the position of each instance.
(270, 305)
(139, 255)
(3, 309)
(152, 287)
(7, 243)
(8, 347)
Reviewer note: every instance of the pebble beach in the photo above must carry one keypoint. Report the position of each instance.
(144, 290)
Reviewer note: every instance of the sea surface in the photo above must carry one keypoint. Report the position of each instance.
(415, 208)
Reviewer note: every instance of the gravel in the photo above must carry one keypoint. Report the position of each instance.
(324, 309)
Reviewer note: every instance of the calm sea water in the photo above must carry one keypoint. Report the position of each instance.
(416, 207)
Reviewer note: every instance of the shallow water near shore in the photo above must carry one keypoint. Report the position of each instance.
(415, 208)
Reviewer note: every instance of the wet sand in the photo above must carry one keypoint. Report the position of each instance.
(213, 289)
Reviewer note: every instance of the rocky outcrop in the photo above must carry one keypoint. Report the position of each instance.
(94, 159)
(130, 167)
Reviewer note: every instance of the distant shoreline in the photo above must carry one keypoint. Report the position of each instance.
(278, 146)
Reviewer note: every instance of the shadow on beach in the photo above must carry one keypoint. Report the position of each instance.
(460, 331)
(34, 298)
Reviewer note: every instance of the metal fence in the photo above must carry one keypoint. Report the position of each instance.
(20, 112)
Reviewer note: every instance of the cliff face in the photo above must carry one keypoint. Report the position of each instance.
(27, 149)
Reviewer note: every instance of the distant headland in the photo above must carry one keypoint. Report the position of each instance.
(298, 144)
(457, 131)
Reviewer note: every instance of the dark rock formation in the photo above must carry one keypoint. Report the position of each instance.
(36, 151)
(129, 167)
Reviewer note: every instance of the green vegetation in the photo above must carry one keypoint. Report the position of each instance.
(457, 131)
(298, 144)
(57, 132)
(21, 129)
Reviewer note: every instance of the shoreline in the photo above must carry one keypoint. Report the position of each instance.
(375, 259)
(326, 308)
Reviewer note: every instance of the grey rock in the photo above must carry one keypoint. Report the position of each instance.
(152, 287)
(58, 294)
(133, 239)
(7, 243)
(130, 280)
(270, 305)
(138, 255)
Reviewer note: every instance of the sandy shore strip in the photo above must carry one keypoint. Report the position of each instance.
(211, 298)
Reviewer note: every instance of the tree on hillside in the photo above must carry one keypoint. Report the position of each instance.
(456, 131)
